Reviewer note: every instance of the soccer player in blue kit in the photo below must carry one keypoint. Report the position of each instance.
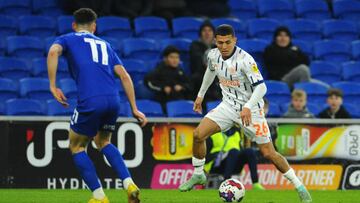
(93, 65)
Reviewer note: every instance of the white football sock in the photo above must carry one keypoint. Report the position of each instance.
(99, 194)
(290, 175)
(198, 165)
(127, 182)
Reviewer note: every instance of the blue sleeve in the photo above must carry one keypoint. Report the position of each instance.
(61, 40)
(115, 60)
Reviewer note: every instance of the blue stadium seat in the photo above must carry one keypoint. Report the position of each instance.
(65, 24)
(15, 7)
(38, 26)
(13, 68)
(340, 30)
(312, 9)
(351, 91)
(278, 9)
(352, 109)
(186, 27)
(151, 64)
(35, 88)
(277, 92)
(116, 27)
(115, 44)
(39, 68)
(325, 71)
(181, 108)
(243, 9)
(274, 110)
(316, 92)
(142, 91)
(304, 45)
(212, 105)
(125, 109)
(347, 9)
(314, 108)
(23, 107)
(2, 47)
(304, 29)
(238, 25)
(355, 48)
(69, 88)
(144, 49)
(56, 109)
(351, 71)
(136, 68)
(8, 89)
(8, 26)
(150, 108)
(255, 47)
(332, 50)
(2, 108)
(25, 47)
(47, 8)
(262, 28)
(151, 27)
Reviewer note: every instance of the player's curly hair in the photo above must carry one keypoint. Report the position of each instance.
(84, 16)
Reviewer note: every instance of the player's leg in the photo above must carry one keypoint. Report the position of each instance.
(215, 121)
(268, 151)
(112, 154)
(85, 166)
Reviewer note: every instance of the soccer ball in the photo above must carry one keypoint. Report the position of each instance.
(231, 190)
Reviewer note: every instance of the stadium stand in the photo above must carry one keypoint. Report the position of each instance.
(68, 86)
(47, 8)
(54, 108)
(35, 88)
(25, 47)
(181, 108)
(140, 48)
(325, 71)
(332, 51)
(211, 105)
(8, 89)
(13, 68)
(243, 9)
(310, 9)
(262, 28)
(347, 9)
(238, 25)
(350, 90)
(64, 24)
(111, 26)
(316, 93)
(277, 92)
(351, 71)
(38, 26)
(277, 9)
(150, 108)
(340, 30)
(16, 7)
(186, 27)
(8, 26)
(151, 27)
(23, 107)
(304, 29)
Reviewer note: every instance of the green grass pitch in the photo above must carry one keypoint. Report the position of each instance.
(172, 196)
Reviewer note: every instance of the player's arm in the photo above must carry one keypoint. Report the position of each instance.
(208, 79)
(254, 76)
(55, 52)
(130, 93)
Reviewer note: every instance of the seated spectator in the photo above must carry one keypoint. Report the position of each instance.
(297, 108)
(286, 62)
(168, 80)
(226, 157)
(335, 109)
(198, 60)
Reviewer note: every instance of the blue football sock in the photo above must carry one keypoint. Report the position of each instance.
(116, 161)
(87, 170)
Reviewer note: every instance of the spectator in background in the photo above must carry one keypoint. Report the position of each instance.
(297, 108)
(168, 80)
(335, 109)
(286, 62)
(198, 59)
(226, 157)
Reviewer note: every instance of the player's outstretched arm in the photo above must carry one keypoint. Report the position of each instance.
(130, 93)
(52, 65)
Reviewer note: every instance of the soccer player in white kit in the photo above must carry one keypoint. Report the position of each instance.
(242, 88)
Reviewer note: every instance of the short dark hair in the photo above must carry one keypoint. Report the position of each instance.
(335, 92)
(84, 16)
(224, 30)
(169, 50)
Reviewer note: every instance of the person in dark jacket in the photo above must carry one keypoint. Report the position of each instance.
(168, 80)
(198, 59)
(335, 109)
(286, 62)
(297, 108)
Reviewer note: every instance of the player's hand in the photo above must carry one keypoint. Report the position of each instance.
(59, 96)
(178, 88)
(140, 117)
(245, 116)
(167, 90)
(198, 105)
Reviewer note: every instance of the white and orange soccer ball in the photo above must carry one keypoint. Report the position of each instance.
(231, 190)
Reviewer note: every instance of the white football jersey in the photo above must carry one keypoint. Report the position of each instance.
(238, 76)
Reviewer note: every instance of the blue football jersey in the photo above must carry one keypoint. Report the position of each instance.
(91, 64)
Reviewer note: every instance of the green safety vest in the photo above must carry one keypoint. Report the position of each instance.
(220, 143)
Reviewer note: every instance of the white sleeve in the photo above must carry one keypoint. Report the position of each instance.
(257, 95)
(250, 69)
(208, 79)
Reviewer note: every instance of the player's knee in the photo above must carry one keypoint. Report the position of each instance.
(75, 148)
(101, 143)
(198, 137)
